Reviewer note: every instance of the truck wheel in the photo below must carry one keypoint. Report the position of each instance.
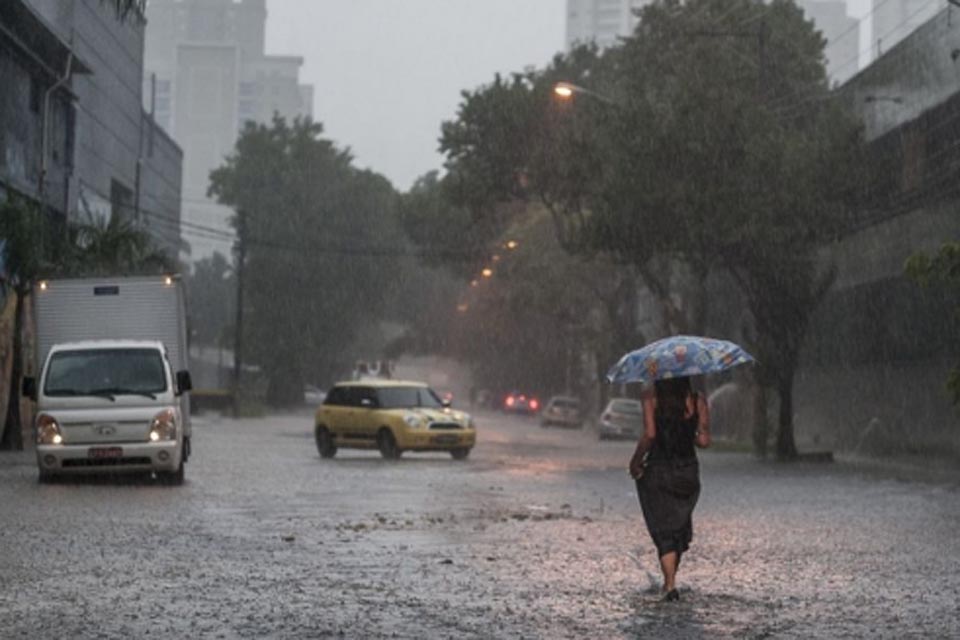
(460, 454)
(387, 445)
(325, 446)
(171, 478)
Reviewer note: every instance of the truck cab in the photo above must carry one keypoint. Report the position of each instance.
(111, 405)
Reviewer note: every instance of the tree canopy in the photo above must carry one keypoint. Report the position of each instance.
(707, 142)
(322, 242)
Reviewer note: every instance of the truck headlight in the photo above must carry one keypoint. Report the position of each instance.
(48, 430)
(164, 426)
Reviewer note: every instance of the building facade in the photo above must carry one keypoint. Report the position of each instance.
(207, 75)
(880, 346)
(73, 133)
(894, 20)
(601, 21)
(842, 34)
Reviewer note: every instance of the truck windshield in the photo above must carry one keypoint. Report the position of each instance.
(109, 372)
(404, 397)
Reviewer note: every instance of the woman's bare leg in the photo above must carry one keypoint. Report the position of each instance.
(668, 564)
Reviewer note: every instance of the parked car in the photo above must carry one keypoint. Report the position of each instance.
(312, 395)
(562, 411)
(622, 419)
(392, 416)
(519, 402)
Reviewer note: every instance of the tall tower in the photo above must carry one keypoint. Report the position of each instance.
(601, 21)
(212, 76)
(841, 32)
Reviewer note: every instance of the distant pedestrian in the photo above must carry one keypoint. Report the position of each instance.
(676, 421)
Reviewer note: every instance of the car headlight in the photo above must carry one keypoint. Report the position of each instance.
(413, 420)
(48, 430)
(164, 426)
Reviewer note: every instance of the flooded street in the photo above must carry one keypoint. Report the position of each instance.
(537, 535)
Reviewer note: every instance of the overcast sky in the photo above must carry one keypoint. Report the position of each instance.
(388, 72)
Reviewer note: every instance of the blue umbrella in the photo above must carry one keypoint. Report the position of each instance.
(677, 356)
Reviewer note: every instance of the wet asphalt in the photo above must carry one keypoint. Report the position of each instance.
(537, 535)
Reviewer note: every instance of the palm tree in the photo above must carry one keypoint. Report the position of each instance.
(95, 248)
(107, 248)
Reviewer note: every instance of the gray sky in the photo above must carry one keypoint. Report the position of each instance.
(387, 72)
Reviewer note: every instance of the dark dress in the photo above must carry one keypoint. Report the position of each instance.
(670, 485)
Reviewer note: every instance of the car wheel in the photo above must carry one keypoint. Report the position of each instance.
(172, 478)
(387, 445)
(325, 446)
(460, 454)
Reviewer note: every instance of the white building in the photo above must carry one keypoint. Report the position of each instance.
(601, 21)
(212, 75)
(894, 20)
(842, 33)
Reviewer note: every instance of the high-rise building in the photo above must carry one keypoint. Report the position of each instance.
(841, 32)
(601, 21)
(209, 74)
(894, 20)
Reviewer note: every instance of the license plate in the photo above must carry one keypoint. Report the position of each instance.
(446, 439)
(105, 452)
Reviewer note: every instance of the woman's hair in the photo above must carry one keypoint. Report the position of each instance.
(672, 397)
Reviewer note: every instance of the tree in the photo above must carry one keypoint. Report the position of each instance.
(702, 147)
(24, 231)
(322, 244)
(212, 290)
(114, 246)
(942, 269)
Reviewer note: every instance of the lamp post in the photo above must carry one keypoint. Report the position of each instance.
(567, 90)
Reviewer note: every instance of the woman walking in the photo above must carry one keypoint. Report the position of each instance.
(676, 421)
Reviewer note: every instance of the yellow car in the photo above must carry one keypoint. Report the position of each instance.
(392, 416)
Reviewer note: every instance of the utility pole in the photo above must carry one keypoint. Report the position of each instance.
(241, 250)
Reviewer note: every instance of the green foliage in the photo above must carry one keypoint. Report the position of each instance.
(133, 10)
(707, 141)
(323, 247)
(942, 269)
(26, 236)
(113, 247)
(212, 291)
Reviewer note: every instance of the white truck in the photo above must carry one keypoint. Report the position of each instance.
(112, 391)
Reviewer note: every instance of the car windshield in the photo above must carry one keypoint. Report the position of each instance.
(105, 372)
(566, 403)
(403, 397)
(626, 406)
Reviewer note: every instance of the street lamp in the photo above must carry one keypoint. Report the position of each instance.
(566, 91)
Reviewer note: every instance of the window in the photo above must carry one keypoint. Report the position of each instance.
(121, 201)
(105, 371)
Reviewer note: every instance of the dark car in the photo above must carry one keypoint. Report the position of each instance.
(622, 419)
(519, 402)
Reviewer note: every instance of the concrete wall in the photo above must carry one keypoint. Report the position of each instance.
(917, 74)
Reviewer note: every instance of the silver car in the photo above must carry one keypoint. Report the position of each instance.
(622, 419)
(562, 411)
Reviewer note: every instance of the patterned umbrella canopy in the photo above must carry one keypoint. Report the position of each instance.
(677, 356)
